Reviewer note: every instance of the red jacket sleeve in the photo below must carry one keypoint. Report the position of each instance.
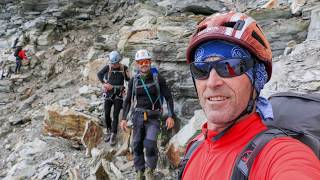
(286, 158)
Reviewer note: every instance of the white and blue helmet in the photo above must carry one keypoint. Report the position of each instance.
(114, 57)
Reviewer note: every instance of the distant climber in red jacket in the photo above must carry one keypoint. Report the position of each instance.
(20, 55)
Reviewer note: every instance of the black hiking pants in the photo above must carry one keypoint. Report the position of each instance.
(145, 135)
(116, 101)
(18, 65)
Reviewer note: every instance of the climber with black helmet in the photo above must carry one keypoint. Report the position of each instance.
(112, 76)
(230, 62)
(145, 92)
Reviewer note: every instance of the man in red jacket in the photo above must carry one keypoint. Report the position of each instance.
(230, 62)
(20, 55)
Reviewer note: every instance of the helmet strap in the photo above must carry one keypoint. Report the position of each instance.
(252, 100)
(194, 85)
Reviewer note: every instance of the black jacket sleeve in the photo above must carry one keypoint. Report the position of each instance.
(102, 73)
(165, 91)
(127, 100)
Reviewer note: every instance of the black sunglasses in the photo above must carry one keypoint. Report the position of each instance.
(226, 68)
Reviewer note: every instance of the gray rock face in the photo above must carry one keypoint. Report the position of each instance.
(314, 28)
(166, 38)
(5, 86)
(199, 7)
(68, 42)
(281, 27)
(298, 71)
(296, 6)
(35, 5)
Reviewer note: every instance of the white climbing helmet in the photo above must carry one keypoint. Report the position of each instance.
(142, 54)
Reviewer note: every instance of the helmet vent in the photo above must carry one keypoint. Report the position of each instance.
(239, 25)
(235, 25)
(201, 28)
(258, 38)
(229, 24)
(259, 28)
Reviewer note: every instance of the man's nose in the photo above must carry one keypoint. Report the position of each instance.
(214, 79)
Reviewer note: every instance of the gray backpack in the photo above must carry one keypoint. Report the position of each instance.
(298, 113)
(295, 115)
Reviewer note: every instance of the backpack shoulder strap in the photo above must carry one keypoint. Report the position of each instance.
(156, 81)
(247, 156)
(133, 91)
(122, 71)
(109, 72)
(191, 147)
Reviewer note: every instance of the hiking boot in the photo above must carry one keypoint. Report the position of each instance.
(113, 139)
(139, 175)
(108, 135)
(149, 174)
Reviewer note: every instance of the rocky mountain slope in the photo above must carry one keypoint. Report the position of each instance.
(68, 42)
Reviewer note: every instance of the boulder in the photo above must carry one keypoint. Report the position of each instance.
(296, 6)
(69, 54)
(47, 38)
(179, 141)
(20, 77)
(59, 47)
(68, 123)
(92, 136)
(90, 71)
